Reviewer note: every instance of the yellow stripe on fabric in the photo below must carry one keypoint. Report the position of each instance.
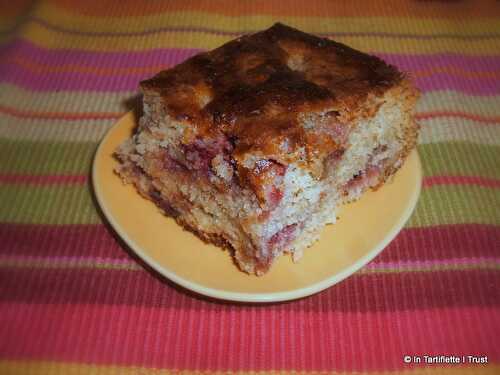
(46, 38)
(443, 130)
(74, 101)
(42, 263)
(10, 367)
(455, 101)
(485, 265)
(236, 24)
(399, 8)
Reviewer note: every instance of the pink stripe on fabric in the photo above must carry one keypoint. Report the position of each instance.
(365, 292)
(443, 241)
(94, 240)
(50, 81)
(129, 59)
(170, 56)
(168, 338)
(427, 243)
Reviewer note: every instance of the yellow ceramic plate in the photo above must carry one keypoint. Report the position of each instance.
(363, 230)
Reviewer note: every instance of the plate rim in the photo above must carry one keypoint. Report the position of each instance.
(239, 296)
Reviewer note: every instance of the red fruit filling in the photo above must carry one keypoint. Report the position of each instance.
(283, 237)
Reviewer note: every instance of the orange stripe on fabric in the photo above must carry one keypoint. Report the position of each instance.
(443, 9)
(9, 8)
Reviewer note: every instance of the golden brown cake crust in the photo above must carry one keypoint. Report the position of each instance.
(253, 91)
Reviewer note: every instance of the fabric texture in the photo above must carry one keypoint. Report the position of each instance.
(73, 300)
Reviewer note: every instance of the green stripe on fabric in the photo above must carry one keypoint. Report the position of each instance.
(71, 204)
(460, 159)
(30, 157)
(438, 205)
(459, 204)
(54, 157)
(48, 130)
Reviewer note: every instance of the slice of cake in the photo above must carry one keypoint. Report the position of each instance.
(255, 145)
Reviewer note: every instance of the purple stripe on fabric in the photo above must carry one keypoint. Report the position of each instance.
(166, 56)
(170, 56)
(415, 62)
(69, 81)
(50, 81)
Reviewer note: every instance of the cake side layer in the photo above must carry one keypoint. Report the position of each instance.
(204, 195)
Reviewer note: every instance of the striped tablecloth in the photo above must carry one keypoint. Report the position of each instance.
(73, 301)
